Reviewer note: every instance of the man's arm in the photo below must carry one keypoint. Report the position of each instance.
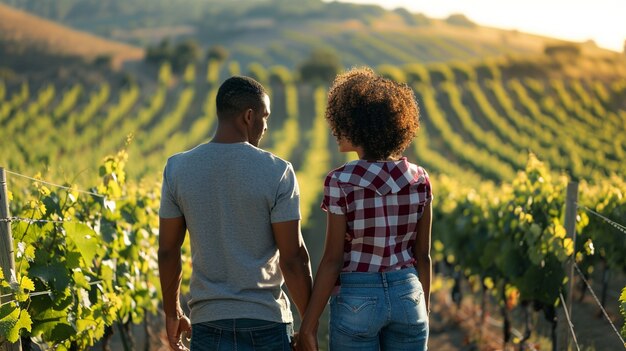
(294, 262)
(171, 236)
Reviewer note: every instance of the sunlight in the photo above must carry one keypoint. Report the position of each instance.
(601, 21)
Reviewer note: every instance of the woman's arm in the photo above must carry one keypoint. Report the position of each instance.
(325, 279)
(421, 252)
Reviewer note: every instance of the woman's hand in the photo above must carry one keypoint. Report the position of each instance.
(175, 327)
(307, 339)
(306, 342)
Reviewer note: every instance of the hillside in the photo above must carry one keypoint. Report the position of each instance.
(280, 32)
(22, 33)
(363, 35)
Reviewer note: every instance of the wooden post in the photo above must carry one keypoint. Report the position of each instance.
(7, 259)
(571, 209)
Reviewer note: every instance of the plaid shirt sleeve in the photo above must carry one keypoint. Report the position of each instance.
(334, 200)
(429, 190)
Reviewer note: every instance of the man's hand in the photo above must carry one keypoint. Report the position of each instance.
(177, 327)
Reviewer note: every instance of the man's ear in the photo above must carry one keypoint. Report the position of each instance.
(248, 117)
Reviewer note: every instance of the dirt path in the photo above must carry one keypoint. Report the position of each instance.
(455, 328)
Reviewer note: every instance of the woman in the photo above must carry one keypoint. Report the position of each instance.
(378, 223)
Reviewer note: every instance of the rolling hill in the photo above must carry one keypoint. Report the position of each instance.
(274, 32)
(22, 34)
(364, 35)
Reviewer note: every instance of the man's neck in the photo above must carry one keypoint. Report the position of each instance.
(227, 134)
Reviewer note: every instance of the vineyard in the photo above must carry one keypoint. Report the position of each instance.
(500, 149)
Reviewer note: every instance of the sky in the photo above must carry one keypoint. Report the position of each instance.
(603, 21)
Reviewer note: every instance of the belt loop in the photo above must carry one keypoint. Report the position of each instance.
(384, 276)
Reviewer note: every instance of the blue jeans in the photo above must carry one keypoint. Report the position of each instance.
(379, 311)
(241, 335)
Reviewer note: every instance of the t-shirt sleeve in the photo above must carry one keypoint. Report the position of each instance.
(287, 203)
(169, 207)
(334, 201)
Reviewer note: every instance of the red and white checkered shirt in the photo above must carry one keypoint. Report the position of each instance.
(382, 202)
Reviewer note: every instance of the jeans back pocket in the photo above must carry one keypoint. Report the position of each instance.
(354, 315)
(414, 307)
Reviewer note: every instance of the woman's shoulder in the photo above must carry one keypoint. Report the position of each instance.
(414, 167)
(340, 172)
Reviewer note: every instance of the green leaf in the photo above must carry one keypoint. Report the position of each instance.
(72, 260)
(61, 332)
(27, 284)
(107, 270)
(25, 322)
(84, 324)
(55, 274)
(26, 232)
(29, 252)
(542, 283)
(491, 250)
(10, 322)
(47, 321)
(85, 238)
(80, 280)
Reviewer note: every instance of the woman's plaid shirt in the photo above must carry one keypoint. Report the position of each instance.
(382, 202)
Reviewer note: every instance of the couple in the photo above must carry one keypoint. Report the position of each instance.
(240, 205)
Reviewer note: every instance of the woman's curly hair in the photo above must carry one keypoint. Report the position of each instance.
(377, 114)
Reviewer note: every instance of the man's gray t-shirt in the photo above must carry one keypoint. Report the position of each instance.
(230, 194)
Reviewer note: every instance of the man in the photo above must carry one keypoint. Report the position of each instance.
(240, 205)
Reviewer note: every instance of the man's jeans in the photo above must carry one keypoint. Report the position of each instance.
(379, 311)
(241, 335)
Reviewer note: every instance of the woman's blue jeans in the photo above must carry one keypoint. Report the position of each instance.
(241, 335)
(379, 311)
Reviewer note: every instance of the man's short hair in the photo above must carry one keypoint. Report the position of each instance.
(237, 94)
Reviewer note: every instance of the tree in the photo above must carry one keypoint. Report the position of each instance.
(321, 67)
(160, 53)
(412, 19)
(460, 20)
(565, 49)
(185, 53)
(179, 57)
(217, 53)
(103, 60)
